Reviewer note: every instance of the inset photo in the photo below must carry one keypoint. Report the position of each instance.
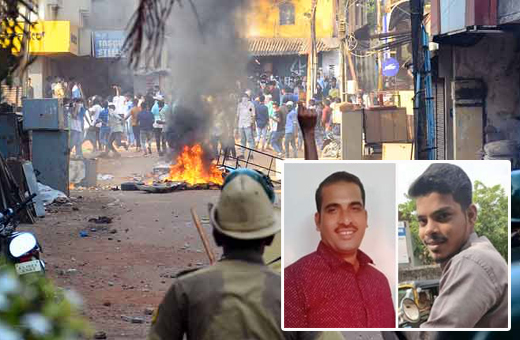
(453, 244)
(339, 236)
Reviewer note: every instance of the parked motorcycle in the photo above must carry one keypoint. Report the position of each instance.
(19, 248)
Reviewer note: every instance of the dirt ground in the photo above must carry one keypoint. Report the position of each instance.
(124, 267)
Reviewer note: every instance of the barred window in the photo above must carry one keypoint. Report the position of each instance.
(286, 13)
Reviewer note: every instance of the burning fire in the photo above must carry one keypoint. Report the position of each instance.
(190, 168)
(71, 186)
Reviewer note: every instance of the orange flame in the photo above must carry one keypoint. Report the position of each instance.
(190, 168)
(71, 186)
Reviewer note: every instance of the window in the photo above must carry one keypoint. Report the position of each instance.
(286, 13)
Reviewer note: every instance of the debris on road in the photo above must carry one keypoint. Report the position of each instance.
(50, 195)
(131, 186)
(106, 177)
(116, 202)
(100, 335)
(135, 319)
(101, 220)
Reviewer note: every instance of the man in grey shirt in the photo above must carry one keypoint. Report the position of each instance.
(474, 282)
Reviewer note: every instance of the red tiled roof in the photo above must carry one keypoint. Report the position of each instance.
(259, 47)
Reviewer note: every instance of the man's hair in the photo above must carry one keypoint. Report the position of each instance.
(262, 98)
(340, 176)
(446, 179)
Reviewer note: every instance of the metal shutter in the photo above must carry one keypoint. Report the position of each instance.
(440, 119)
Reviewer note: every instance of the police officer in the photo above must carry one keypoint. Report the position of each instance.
(239, 297)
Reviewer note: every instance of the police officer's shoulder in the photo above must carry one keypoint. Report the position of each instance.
(185, 272)
(192, 272)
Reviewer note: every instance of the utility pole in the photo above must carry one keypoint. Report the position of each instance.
(379, 54)
(419, 112)
(312, 61)
(342, 34)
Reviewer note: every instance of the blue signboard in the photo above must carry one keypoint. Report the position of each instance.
(401, 231)
(390, 67)
(108, 44)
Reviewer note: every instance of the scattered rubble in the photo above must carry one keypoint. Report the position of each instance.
(134, 319)
(100, 335)
(50, 195)
(106, 177)
(101, 220)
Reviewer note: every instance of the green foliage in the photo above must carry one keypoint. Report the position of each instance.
(371, 9)
(31, 308)
(491, 204)
(492, 215)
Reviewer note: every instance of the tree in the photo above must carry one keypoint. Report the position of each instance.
(492, 219)
(147, 29)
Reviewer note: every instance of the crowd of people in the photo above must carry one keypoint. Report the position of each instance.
(266, 119)
(119, 121)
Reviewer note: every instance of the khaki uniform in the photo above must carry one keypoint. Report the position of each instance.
(237, 298)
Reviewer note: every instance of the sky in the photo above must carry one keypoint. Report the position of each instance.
(488, 172)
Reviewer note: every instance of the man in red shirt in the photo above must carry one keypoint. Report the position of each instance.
(326, 115)
(337, 286)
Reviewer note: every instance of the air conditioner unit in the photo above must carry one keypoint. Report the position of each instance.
(55, 3)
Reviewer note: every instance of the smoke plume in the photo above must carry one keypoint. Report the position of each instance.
(207, 56)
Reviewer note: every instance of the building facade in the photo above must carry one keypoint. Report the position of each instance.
(477, 73)
(278, 35)
(82, 40)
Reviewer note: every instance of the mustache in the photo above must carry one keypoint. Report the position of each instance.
(435, 238)
(343, 225)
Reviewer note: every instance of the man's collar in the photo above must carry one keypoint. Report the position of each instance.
(334, 260)
(472, 238)
(244, 255)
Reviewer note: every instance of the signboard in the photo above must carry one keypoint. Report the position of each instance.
(108, 44)
(401, 244)
(390, 67)
(47, 37)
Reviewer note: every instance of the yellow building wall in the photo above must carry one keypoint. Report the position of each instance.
(264, 17)
(46, 37)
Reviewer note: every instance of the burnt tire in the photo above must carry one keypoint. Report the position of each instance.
(130, 186)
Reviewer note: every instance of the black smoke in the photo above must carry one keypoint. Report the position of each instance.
(207, 56)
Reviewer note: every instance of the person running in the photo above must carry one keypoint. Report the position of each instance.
(146, 120)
